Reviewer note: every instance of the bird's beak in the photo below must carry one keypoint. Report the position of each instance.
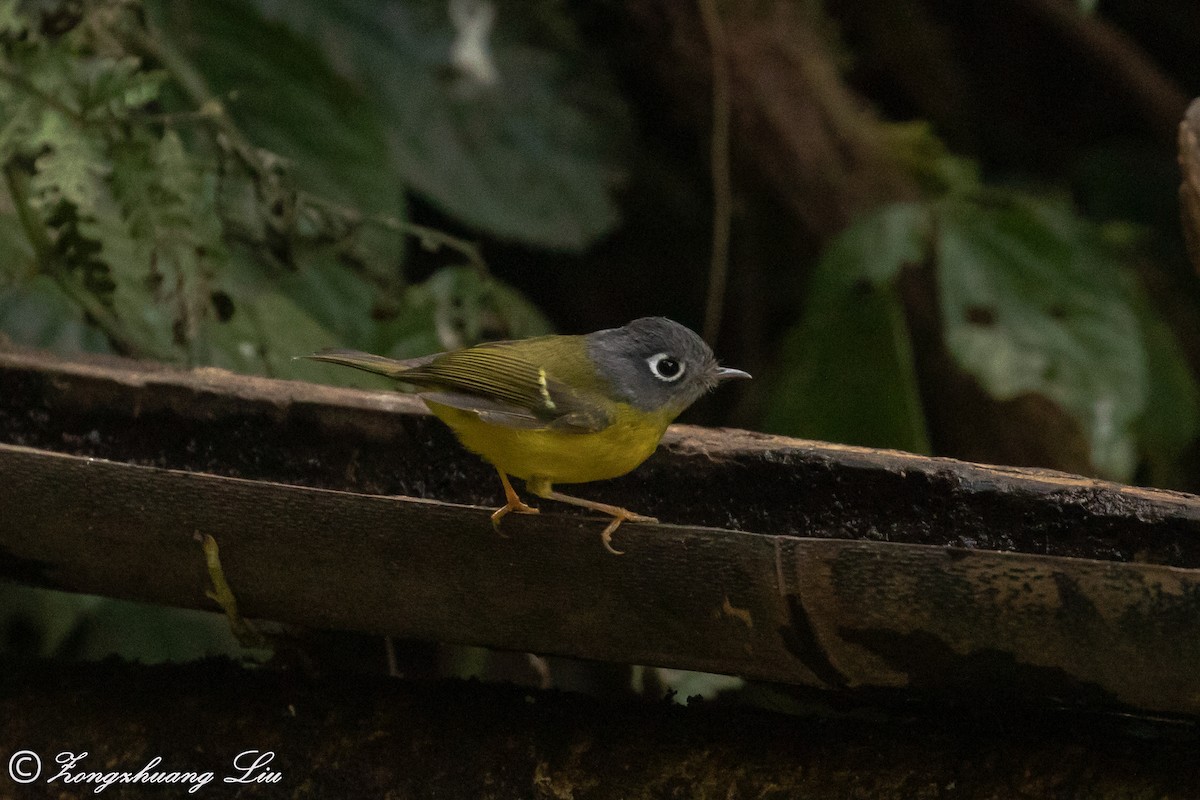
(725, 373)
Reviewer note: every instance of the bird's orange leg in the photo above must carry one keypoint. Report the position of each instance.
(513, 503)
(542, 488)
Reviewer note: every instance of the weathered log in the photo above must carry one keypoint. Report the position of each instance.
(777, 559)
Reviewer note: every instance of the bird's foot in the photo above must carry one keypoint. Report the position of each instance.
(542, 488)
(513, 504)
(620, 515)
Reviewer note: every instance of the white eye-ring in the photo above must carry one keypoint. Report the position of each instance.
(665, 367)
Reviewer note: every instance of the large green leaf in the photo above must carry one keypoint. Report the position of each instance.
(71, 167)
(38, 314)
(287, 99)
(848, 373)
(265, 334)
(847, 376)
(266, 322)
(875, 248)
(1172, 418)
(85, 627)
(1033, 302)
(533, 156)
(336, 297)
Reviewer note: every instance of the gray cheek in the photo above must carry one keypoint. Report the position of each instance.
(660, 394)
(650, 393)
(646, 392)
(630, 382)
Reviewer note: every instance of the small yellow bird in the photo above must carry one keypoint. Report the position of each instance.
(561, 409)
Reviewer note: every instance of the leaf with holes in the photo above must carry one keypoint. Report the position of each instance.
(265, 332)
(169, 210)
(1032, 301)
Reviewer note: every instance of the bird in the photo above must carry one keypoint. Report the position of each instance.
(560, 409)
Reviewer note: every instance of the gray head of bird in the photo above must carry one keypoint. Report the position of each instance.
(654, 363)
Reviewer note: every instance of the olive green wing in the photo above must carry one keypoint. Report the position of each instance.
(501, 383)
(497, 381)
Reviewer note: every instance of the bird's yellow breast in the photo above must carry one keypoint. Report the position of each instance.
(561, 456)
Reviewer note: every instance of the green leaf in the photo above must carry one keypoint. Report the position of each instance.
(151, 634)
(85, 627)
(875, 248)
(324, 304)
(19, 115)
(1171, 421)
(38, 314)
(72, 168)
(340, 300)
(266, 332)
(457, 307)
(1033, 302)
(287, 99)
(128, 216)
(16, 254)
(848, 373)
(108, 88)
(12, 22)
(915, 147)
(160, 240)
(187, 236)
(533, 156)
(454, 307)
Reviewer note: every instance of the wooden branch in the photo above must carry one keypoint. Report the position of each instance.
(371, 738)
(778, 559)
(1189, 187)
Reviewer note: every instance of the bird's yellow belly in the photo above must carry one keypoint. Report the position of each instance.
(559, 456)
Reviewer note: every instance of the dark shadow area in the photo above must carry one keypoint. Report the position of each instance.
(375, 737)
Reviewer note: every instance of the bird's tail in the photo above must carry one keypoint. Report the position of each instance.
(388, 367)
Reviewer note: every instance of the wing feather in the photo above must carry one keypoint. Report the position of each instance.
(507, 388)
(496, 381)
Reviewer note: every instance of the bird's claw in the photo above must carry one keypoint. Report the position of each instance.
(505, 510)
(628, 516)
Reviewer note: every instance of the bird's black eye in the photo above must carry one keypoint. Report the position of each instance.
(665, 368)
